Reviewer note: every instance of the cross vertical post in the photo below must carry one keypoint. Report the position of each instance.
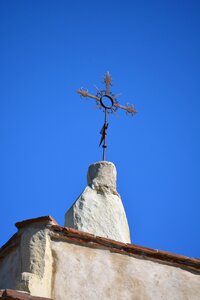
(105, 134)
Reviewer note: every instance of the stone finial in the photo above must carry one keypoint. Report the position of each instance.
(102, 174)
(99, 209)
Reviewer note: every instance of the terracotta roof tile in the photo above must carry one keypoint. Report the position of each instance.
(90, 240)
(17, 295)
(43, 219)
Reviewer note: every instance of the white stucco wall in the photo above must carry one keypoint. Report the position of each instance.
(28, 266)
(10, 269)
(48, 262)
(85, 273)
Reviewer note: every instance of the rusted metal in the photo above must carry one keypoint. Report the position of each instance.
(106, 101)
(103, 133)
(107, 81)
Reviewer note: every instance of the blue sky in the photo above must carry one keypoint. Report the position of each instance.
(49, 135)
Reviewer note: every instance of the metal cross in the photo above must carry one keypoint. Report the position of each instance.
(106, 101)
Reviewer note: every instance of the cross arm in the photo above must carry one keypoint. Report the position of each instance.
(129, 109)
(87, 95)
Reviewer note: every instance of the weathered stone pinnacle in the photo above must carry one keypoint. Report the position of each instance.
(99, 209)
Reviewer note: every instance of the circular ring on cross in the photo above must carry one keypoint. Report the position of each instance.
(107, 101)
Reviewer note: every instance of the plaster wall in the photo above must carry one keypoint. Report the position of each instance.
(10, 270)
(84, 273)
(28, 267)
(49, 264)
(36, 261)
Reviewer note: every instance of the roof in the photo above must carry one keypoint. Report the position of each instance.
(17, 295)
(89, 240)
(43, 219)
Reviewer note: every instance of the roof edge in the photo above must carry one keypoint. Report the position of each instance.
(17, 295)
(90, 240)
(43, 219)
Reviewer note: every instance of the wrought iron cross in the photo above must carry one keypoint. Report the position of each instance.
(106, 101)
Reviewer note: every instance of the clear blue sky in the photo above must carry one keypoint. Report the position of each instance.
(49, 135)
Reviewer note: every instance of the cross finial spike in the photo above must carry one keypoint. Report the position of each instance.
(108, 82)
